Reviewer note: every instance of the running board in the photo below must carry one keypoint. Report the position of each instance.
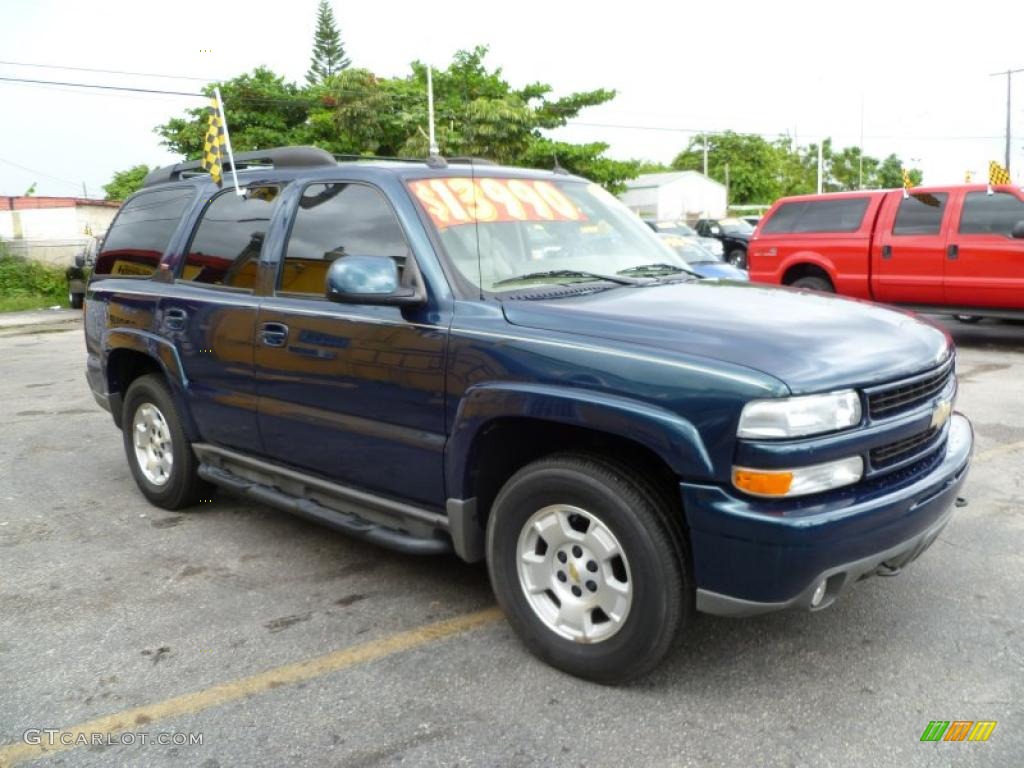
(378, 520)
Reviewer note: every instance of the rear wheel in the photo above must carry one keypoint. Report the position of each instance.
(814, 284)
(586, 566)
(159, 455)
(75, 300)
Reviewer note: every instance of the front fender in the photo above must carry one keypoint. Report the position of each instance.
(667, 434)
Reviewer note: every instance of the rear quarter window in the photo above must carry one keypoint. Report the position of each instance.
(817, 216)
(142, 231)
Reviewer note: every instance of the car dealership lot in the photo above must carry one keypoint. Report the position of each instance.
(112, 611)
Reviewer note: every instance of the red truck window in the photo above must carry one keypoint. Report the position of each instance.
(920, 214)
(995, 214)
(808, 216)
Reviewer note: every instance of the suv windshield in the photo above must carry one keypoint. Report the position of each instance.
(534, 231)
(675, 228)
(736, 227)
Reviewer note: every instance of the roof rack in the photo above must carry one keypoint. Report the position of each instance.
(277, 157)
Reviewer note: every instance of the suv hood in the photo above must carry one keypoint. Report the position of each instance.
(810, 341)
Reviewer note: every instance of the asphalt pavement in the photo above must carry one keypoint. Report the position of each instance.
(276, 642)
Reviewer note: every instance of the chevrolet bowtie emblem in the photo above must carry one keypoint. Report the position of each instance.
(574, 573)
(941, 413)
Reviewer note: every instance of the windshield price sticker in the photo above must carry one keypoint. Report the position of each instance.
(454, 201)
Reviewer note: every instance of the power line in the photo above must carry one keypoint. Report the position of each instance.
(397, 98)
(107, 71)
(40, 173)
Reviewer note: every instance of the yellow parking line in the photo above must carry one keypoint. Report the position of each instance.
(197, 701)
(998, 451)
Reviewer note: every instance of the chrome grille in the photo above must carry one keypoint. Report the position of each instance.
(906, 394)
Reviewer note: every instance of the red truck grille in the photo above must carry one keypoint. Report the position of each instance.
(906, 394)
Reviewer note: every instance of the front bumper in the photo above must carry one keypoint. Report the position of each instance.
(748, 561)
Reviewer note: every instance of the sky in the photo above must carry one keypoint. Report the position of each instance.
(918, 73)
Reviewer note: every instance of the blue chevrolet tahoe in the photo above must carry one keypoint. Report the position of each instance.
(506, 364)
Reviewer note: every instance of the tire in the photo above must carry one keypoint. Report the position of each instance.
(76, 300)
(814, 284)
(969, 319)
(606, 511)
(173, 483)
(738, 258)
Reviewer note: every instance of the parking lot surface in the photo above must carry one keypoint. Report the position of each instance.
(281, 643)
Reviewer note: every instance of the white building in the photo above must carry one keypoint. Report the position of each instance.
(675, 195)
(53, 229)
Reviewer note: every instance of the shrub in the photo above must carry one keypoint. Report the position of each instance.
(22, 279)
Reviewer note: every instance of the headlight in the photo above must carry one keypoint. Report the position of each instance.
(778, 483)
(800, 416)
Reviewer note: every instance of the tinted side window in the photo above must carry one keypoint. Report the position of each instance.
(225, 249)
(142, 231)
(842, 215)
(333, 221)
(920, 214)
(994, 214)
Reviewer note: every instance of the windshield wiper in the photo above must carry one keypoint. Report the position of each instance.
(565, 273)
(650, 270)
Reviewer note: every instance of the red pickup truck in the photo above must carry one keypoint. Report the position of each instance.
(956, 250)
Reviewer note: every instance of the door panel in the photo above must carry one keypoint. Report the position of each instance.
(352, 392)
(211, 316)
(908, 256)
(989, 268)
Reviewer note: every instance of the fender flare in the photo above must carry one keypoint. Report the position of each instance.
(667, 434)
(161, 351)
(808, 257)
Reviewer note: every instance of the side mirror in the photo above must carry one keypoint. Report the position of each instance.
(79, 260)
(368, 280)
(1018, 230)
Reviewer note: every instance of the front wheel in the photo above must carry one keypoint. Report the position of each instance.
(738, 258)
(75, 300)
(589, 567)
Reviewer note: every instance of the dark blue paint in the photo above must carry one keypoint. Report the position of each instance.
(394, 399)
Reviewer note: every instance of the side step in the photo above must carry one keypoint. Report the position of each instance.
(343, 509)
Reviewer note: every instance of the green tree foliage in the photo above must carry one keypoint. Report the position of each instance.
(353, 111)
(125, 182)
(261, 108)
(328, 52)
(761, 171)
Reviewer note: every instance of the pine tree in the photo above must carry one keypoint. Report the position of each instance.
(328, 52)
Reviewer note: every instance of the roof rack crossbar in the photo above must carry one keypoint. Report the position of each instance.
(277, 157)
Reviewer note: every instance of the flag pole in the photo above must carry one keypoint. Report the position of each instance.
(227, 141)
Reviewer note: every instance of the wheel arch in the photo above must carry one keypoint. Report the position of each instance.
(500, 428)
(805, 267)
(129, 354)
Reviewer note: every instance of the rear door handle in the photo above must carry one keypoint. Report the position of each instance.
(953, 252)
(886, 251)
(274, 334)
(175, 319)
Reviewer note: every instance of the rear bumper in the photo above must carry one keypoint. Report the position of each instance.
(747, 561)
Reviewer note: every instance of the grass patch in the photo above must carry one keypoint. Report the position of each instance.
(26, 284)
(24, 303)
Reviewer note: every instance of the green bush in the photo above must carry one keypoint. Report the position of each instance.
(23, 281)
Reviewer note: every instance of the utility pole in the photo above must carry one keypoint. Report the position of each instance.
(821, 165)
(705, 143)
(726, 187)
(1009, 97)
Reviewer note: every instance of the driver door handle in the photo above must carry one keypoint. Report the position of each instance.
(274, 334)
